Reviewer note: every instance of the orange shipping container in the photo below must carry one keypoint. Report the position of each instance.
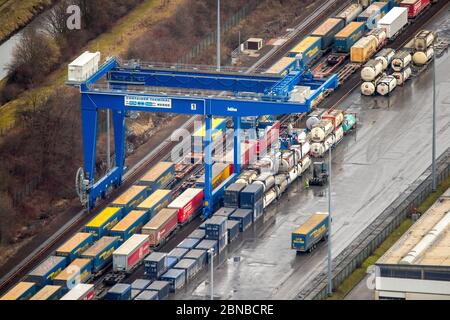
(363, 50)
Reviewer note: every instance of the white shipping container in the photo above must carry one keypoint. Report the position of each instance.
(394, 21)
(131, 252)
(84, 66)
(184, 198)
(81, 291)
(351, 12)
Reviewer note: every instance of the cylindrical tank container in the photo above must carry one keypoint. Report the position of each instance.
(379, 35)
(266, 179)
(301, 149)
(303, 165)
(350, 13)
(349, 122)
(386, 85)
(269, 197)
(280, 188)
(371, 70)
(338, 134)
(292, 176)
(385, 56)
(287, 162)
(335, 116)
(319, 148)
(313, 118)
(363, 49)
(321, 129)
(401, 60)
(369, 88)
(402, 76)
(420, 58)
(423, 40)
(247, 177)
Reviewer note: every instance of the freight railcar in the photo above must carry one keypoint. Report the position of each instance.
(415, 7)
(309, 48)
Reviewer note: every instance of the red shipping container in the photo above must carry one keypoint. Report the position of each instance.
(271, 135)
(161, 225)
(414, 6)
(187, 203)
(131, 252)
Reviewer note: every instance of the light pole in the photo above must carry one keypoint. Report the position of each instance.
(433, 164)
(330, 282)
(211, 284)
(218, 35)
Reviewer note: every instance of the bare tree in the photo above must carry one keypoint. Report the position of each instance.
(6, 218)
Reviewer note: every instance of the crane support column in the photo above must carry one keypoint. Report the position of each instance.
(119, 141)
(237, 145)
(208, 204)
(89, 123)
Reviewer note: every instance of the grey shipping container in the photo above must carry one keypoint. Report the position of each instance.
(155, 264)
(190, 266)
(177, 253)
(198, 254)
(120, 291)
(244, 216)
(233, 229)
(231, 195)
(162, 287)
(176, 277)
(147, 295)
(225, 212)
(140, 284)
(197, 234)
(251, 195)
(134, 293)
(207, 245)
(258, 210)
(215, 227)
(188, 243)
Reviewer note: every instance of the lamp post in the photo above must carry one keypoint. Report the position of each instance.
(433, 164)
(330, 281)
(211, 284)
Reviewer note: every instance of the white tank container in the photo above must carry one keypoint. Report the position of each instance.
(369, 88)
(303, 165)
(280, 188)
(401, 60)
(335, 116)
(267, 180)
(279, 179)
(247, 177)
(319, 148)
(386, 85)
(402, 76)
(371, 70)
(379, 35)
(269, 197)
(287, 162)
(301, 149)
(292, 176)
(338, 135)
(385, 56)
(313, 118)
(420, 58)
(321, 129)
(423, 40)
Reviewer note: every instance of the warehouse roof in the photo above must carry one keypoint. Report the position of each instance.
(423, 244)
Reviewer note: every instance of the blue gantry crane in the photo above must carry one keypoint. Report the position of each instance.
(135, 86)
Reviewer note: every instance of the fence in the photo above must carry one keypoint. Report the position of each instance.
(211, 38)
(371, 238)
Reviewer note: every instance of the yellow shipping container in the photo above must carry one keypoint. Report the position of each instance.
(73, 243)
(305, 44)
(326, 27)
(102, 217)
(128, 220)
(363, 50)
(280, 67)
(154, 198)
(18, 291)
(45, 293)
(126, 197)
(349, 29)
(156, 171)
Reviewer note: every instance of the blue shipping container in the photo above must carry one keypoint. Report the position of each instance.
(161, 287)
(245, 218)
(349, 36)
(197, 234)
(225, 212)
(120, 291)
(131, 198)
(101, 252)
(147, 295)
(251, 195)
(177, 253)
(155, 264)
(310, 233)
(198, 254)
(215, 227)
(129, 225)
(233, 229)
(176, 277)
(188, 243)
(171, 261)
(258, 210)
(207, 245)
(47, 270)
(190, 266)
(231, 195)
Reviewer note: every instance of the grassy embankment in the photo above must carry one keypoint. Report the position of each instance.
(17, 14)
(359, 274)
(112, 43)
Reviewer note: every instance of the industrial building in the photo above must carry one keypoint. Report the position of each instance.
(418, 265)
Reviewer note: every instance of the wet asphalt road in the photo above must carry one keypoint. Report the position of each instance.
(389, 150)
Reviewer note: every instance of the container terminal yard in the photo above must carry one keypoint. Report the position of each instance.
(264, 215)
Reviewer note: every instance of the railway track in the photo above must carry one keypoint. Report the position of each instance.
(131, 176)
